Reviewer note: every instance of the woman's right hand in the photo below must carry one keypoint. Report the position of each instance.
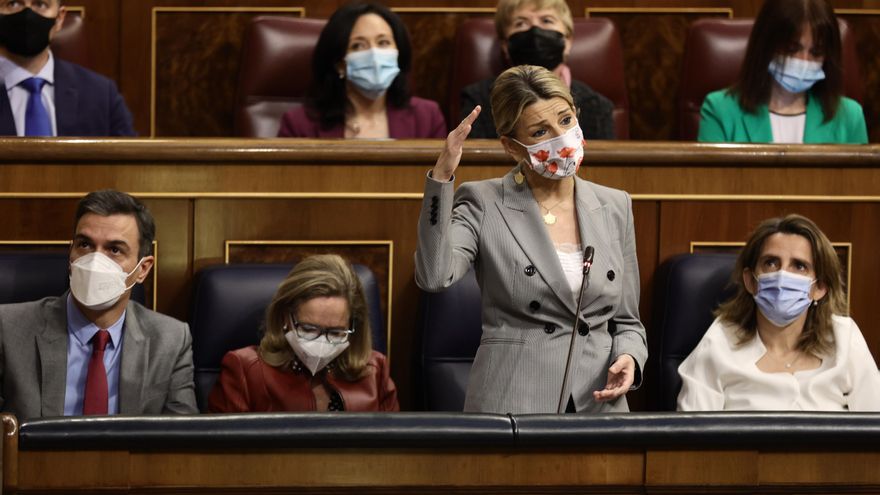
(451, 154)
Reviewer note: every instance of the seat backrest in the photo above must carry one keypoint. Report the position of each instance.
(596, 59)
(713, 54)
(228, 308)
(450, 327)
(275, 72)
(32, 275)
(70, 42)
(688, 288)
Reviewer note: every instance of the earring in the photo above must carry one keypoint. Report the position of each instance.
(815, 303)
(342, 75)
(518, 177)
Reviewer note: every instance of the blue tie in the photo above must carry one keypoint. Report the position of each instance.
(36, 118)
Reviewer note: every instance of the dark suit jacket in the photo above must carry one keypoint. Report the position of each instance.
(595, 117)
(86, 104)
(421, 119)
(155, 374)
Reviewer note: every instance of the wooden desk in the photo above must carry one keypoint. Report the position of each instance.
(664, 455)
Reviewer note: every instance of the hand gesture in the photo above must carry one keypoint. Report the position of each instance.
(620, 378)
(451, 154)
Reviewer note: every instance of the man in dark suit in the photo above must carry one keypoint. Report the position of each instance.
(92, 351)
(46, 96)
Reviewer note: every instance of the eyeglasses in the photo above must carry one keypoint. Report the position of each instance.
(308, 331)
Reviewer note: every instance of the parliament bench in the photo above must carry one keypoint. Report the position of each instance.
(446, 453)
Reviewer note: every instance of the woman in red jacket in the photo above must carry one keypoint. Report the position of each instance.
(316, 353)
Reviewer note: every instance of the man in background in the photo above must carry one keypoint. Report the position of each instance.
(45, 96)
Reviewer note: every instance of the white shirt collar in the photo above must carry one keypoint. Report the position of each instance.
(13, 74)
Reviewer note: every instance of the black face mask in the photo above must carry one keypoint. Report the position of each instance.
(25, 33)
(536, 46)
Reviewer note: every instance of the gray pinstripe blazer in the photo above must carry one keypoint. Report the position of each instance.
(528, 306)
(155, 374)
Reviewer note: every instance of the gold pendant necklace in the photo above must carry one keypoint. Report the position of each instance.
(550, 218)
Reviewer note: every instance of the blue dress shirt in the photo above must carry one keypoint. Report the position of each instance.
(79, 350)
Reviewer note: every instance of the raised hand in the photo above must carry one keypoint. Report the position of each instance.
(451, 154)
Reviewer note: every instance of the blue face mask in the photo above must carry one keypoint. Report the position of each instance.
(783, 296)
(796, 75)
(372, 71)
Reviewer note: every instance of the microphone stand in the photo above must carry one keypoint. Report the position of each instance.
(588, 263)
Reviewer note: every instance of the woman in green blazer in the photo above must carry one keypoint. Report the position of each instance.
(790, 86)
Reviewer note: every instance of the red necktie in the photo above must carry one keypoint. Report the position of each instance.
(96, 395)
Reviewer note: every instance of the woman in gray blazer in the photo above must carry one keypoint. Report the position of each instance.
(525, 235)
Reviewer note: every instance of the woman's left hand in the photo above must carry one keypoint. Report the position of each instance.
(620, 378)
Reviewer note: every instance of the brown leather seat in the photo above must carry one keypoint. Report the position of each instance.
(713, 53)
(276, 69)
(596, 59)
(70, 42)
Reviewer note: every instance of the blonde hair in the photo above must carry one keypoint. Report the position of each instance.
(818, 335)
(325, 275)
(521, 86)
(505, 9)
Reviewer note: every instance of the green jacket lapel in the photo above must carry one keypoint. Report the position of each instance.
(814, 131)
(757, 125)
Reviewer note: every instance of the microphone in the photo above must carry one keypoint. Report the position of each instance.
(588, 264)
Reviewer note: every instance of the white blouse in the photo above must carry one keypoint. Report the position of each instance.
(788, 128)
(721, 375)
(571, 257)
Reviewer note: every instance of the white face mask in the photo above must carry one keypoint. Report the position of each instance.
(98, 282)
(559, 157)
(314, 354)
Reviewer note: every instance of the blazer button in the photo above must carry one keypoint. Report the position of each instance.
(549, 328)
(584, 329)
(534, 305)
(531, 270)
(610, 275)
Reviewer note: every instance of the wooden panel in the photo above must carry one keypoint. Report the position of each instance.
(701, 468)
(653, 44)
(88, 469)
(866, 26)
(195, 76)
(102, 20)
(475, 470)
(432, 32)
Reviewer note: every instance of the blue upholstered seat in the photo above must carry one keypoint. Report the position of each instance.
(687, 290)
(450, 326)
